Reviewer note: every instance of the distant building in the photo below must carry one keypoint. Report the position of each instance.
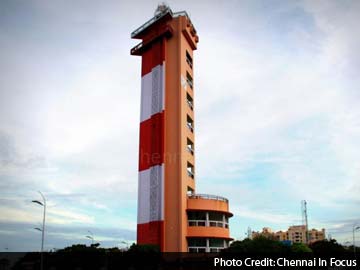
(315, 235)
(295, 234)
(266, 232)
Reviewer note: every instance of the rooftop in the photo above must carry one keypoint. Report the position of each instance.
(160, 12)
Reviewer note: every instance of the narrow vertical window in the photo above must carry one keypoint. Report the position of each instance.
(189, 80)
(189, 101)
(190, 123)
(190, 170)
(189, 59)
(190, 146)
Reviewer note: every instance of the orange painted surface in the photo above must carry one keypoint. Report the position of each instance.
(211, 232)
(211, 205)
(176, 134)
(176, 180)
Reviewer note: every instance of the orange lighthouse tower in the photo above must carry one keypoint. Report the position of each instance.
(170, 213)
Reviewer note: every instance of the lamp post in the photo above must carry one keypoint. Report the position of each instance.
(355, 228)
(43, 204)
(90, 237)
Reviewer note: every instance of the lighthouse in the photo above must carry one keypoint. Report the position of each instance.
(170, 213)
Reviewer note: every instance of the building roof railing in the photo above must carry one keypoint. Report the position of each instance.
(207, 197)
(158, 17)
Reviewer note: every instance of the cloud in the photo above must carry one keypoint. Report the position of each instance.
(18, 213)
(276, 105)
(265, 216)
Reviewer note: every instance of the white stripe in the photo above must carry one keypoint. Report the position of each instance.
(151, 194)
(152, 92)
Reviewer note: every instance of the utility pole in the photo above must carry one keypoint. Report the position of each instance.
(305, 220)
(249, 233)
(43, 204)
(355, 228)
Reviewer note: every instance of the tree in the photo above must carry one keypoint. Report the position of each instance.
(300, 248)
(327, 246)
(258, 245)
(144, 248)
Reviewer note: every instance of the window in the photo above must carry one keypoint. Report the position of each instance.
(216, 216)
(196, 215)
(196, 218)
(215, 242)
(190, 101)
(189, 59)
(190, 123)
(197, 242)
(190, 191)
(190, 170)
(189, 80)
(197, 249)
(190, 146)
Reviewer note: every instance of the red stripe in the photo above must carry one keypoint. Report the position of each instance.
(151, 233)
(152, 57)
(151, 142)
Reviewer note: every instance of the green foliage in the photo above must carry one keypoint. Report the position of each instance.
(327, 246)
(262, 244)
(300, 248)
(258, 245)
(144, 248)
(81, 248)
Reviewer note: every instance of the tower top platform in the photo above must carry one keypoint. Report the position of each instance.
(163, 13)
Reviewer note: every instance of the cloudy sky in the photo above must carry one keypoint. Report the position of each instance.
(277, 115)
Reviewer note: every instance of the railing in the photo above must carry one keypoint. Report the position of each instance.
(198, 223)
(158, 17)
(197, 249)
(208, 223)
(215, 223)
(183, 13)
(208, 197)
(137, 47)
(214, 249)
(151, 21)
(204, 249)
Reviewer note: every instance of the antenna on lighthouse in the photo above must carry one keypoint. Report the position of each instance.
(161, 8)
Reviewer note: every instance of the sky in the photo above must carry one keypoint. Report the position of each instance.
(277, 116)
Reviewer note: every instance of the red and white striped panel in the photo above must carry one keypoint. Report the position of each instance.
(151, 147)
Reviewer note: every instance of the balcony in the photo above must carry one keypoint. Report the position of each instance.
(208, 203)
(208, 219)
(208, 197)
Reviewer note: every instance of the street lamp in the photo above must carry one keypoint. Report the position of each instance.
(90, 237)
(355, 228)
(43, 204)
